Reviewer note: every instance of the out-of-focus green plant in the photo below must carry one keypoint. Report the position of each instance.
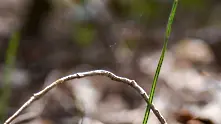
(142, 9)
(10, 59)
(194, 4)
(167, 35)
(84, 34)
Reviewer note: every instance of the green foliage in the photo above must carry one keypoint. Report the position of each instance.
(84, 34)
(9, 64)
(194, 4)
(142, 8)
(130, 43)
(167, 35)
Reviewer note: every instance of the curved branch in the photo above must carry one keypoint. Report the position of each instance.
(112, 76)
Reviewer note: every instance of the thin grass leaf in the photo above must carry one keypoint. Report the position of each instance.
(9, 64)
(167, 35)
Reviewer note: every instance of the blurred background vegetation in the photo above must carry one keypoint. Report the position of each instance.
(43, 40)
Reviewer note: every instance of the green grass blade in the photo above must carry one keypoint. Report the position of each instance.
(9, 64)
(167, 35)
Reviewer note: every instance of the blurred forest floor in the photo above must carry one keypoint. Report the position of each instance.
(61, 37)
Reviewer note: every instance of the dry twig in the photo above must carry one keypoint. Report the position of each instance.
(112, 76)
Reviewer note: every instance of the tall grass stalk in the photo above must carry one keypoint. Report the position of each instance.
(167, 35)
(10, 59)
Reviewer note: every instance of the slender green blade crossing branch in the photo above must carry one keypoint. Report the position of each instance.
(167, 35)
(9, 64)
